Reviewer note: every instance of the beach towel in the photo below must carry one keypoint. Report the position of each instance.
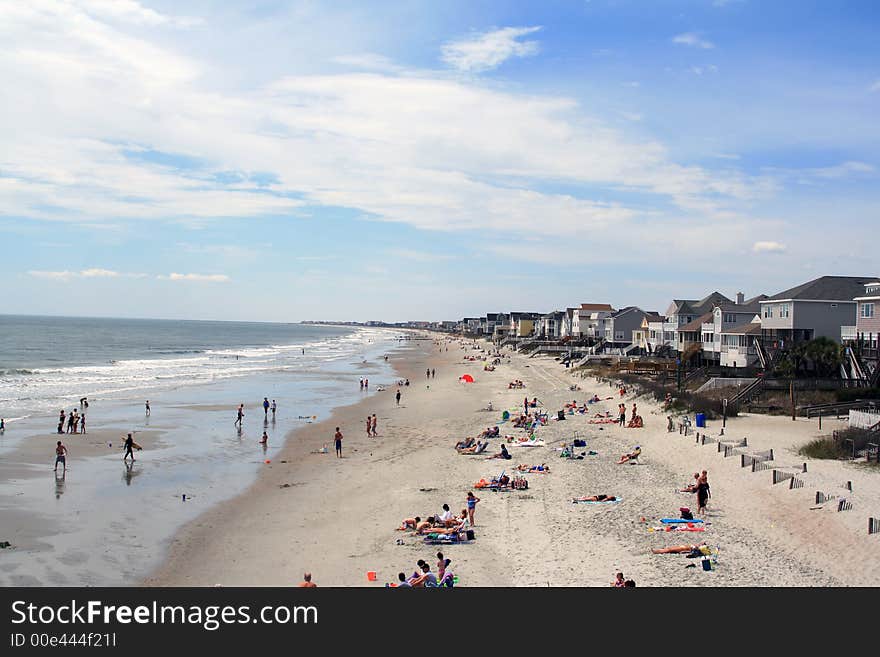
(678, 521)
(530, 443)
(575, 500)
(677, 528)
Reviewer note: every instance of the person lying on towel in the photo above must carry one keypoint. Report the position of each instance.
(595, 498)
(632, 456)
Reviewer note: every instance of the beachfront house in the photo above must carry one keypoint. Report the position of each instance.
(549, 326)
(640, 335)
(725, 325)
(521, 325)
(619, 326)
(590, 319)
(865, 335)
(820, 307)
(567, 330)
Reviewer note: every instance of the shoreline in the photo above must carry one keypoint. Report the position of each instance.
(336, 518)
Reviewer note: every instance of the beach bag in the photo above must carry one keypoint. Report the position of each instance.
(470, 534)
(580, 443)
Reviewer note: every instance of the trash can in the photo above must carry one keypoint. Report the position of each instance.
(701, 420)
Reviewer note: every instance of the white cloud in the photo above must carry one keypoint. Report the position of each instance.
(843, 170)
(130, 11)
(693, 40)
(201, 278)
(483, 52)
(419, 147)
(421, 256)
(368, 61)
(95, 272)
(875, 87)
(768, 247)
(699, 70)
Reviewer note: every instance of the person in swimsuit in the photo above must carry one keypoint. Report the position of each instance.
(369, 426)
(274, 408)
(82, 423)
(265, 408)
(682, 549)
(265, 439)
(307, 582)
(373, 426)
(471, 507)
(147, 407)
(60, 456)
(619, 581)
(633, 455)
(397, 396)
(703, 493)
(240, 415)
(595, 498)
(338, 439)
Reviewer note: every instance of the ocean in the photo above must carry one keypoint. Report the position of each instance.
(106, 522)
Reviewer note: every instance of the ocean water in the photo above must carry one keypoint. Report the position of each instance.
(72, 530)
(48, 363)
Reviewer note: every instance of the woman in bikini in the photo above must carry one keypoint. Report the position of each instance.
(595, 498)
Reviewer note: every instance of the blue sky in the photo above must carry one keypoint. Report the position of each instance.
(282, 161)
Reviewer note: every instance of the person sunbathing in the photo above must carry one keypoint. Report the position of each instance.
(455, 529)
(462, 444)
(475, 449)
(522, 467)
(595, 498)
(632, 456)
(635, 422)
(697, 550)
(425, 525)
(409, 523)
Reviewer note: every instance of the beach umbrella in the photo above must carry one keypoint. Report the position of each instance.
(467, 378)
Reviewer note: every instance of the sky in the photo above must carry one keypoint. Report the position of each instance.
(303, 160)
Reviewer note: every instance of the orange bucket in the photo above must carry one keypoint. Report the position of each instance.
(371, 575)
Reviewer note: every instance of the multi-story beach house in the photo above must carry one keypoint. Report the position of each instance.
(549, 326)
(680, 313)
(865, 335)
(590, 320)
(619, 326)
(725, 335)
(569, 324)
(640, 334)
(820, 307)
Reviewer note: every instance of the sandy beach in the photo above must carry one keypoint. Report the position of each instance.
(337, 517)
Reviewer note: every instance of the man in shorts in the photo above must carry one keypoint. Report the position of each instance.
(338, 439)
(60, 456)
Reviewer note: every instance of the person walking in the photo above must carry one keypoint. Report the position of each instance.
(265, 408)
(338, 440)
(433, 373)
(60, 456)
(147, 409)
(471, 507)
(240, 415)
(397, 396)
(373, 426)
(128, 445)
(369, 426)
(428, 373)
(274, 408)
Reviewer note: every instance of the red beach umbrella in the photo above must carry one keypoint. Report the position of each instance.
(467, 378)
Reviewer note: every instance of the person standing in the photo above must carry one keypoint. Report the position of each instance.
(274, 408)
(128, 445)
(428, 373)
(307, 582)
(373, 426)
(703, 493)
(265, 408)
(366, 384)
(525, 405)
(82, 423)
(362, 385)
(471, 507)
(338, 440)
(369, 426)
(433, 373)
(397, 396)
(61, 421)
(147, 408)
(622, 414)
(60, 456)
(240, 415)
(70, 421)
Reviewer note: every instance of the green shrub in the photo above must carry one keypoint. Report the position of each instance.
(823, 448)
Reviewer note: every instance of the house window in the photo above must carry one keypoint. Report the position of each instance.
(768, 312)
(730, 318)
(867, 310)
(783, 310)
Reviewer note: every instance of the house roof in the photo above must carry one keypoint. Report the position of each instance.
(596, 306)
(699, 306)
(831, 288)
(749, 328)
(624, 311)
(753, 305)
(653, 317)
(697, 324)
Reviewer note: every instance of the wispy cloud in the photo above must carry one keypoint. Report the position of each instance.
(199, 278)
(94, 272)
(768, 247)
(693, 40)
(486, 51)
(368, 61)
(874, 87)
(130, 11)
(699, 70)
(421, 256)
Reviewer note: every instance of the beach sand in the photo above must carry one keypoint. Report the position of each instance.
(337, 517)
